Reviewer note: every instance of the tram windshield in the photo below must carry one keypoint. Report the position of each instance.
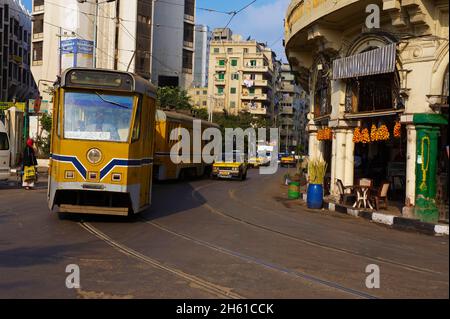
(97, 117)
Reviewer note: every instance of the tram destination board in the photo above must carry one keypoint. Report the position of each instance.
(89, 78)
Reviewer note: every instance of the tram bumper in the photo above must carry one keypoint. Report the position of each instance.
(94, 198)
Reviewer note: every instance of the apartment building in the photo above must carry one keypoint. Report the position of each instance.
(16, 80)
(288, 109)
(64, 36)
(201, 60)
(241, 75)
(174, 38)
(199, 97)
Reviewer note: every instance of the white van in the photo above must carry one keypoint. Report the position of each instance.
(5, 154)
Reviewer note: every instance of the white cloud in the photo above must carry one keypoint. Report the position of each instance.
(263, 23)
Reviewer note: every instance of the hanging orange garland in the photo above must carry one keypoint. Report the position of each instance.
(383, 133)
(398, 130)
(324, 134)
(365, 136)
(357, 135)
(374, 133)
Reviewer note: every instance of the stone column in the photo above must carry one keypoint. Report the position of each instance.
(333, 164)
(349, 159)
(411, 164)
(313, 143)
(341, 135)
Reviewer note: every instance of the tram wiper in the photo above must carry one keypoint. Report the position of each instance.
(111, 102)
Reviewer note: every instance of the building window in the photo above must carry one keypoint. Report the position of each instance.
(38, 26)
(204, 103)
(235, 76)
(245, 50)
(205, 92)
(252, 62)
(189, 7)
(233, 90)
(188, 35)
(221, 76)
(187, 61)
(251, 91)
(216, 50)
(232, 104)
(372, 93)
(38, 5)
(37, 52)
(234, 62)
(220, 90)
(221, 62)
(230, 50)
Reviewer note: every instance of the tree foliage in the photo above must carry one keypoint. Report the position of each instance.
(173, 98)
(43, 142)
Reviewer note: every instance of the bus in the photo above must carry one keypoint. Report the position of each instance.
(165, 169)
(102, 143)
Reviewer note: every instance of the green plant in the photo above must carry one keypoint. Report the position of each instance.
(43, 142)
(173, 98)
(317, 170)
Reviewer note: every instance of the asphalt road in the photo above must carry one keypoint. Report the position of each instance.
(212, 239)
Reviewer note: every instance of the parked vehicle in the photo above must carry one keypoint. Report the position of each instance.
(231, 166)
(5, 153)
(259, 160)
(288, 160)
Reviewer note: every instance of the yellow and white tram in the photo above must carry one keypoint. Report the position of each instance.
(165, 168)
(102, 143)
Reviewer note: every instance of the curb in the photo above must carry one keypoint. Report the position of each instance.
(395, 222)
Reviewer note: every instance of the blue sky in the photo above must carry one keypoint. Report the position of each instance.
(263, 21)
(27, 4)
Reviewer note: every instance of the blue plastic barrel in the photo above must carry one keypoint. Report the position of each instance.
(315, 196)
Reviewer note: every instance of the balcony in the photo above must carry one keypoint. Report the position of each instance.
(288, 110)
(258, 111)
(258, 83)
(254, 97)
(189, 18)
(220, 82)
(287, 88)
(188, 44)
(256, 68)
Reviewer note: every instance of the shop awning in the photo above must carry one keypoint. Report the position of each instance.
(372, 62)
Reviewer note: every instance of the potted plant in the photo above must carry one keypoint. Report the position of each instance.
(316, 171)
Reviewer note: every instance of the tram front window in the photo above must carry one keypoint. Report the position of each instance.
(97, 117)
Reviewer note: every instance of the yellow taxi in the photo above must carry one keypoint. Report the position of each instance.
(259, 160)
(230, 166)
(288, 160)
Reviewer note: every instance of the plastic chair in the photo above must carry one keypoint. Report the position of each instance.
(381, 196)
(344, 193)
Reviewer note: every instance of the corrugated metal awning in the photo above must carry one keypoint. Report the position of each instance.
(372, 62)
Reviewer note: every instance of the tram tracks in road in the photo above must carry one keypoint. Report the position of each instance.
(201, 283)
(260, 227)
(280, 269)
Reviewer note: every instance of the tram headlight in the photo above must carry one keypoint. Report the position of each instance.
(94, 156)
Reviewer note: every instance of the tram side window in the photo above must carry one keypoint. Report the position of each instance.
(4, 145)
(137, 123)
(97, 117)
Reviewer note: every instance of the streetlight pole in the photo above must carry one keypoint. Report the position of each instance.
(94, 62)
